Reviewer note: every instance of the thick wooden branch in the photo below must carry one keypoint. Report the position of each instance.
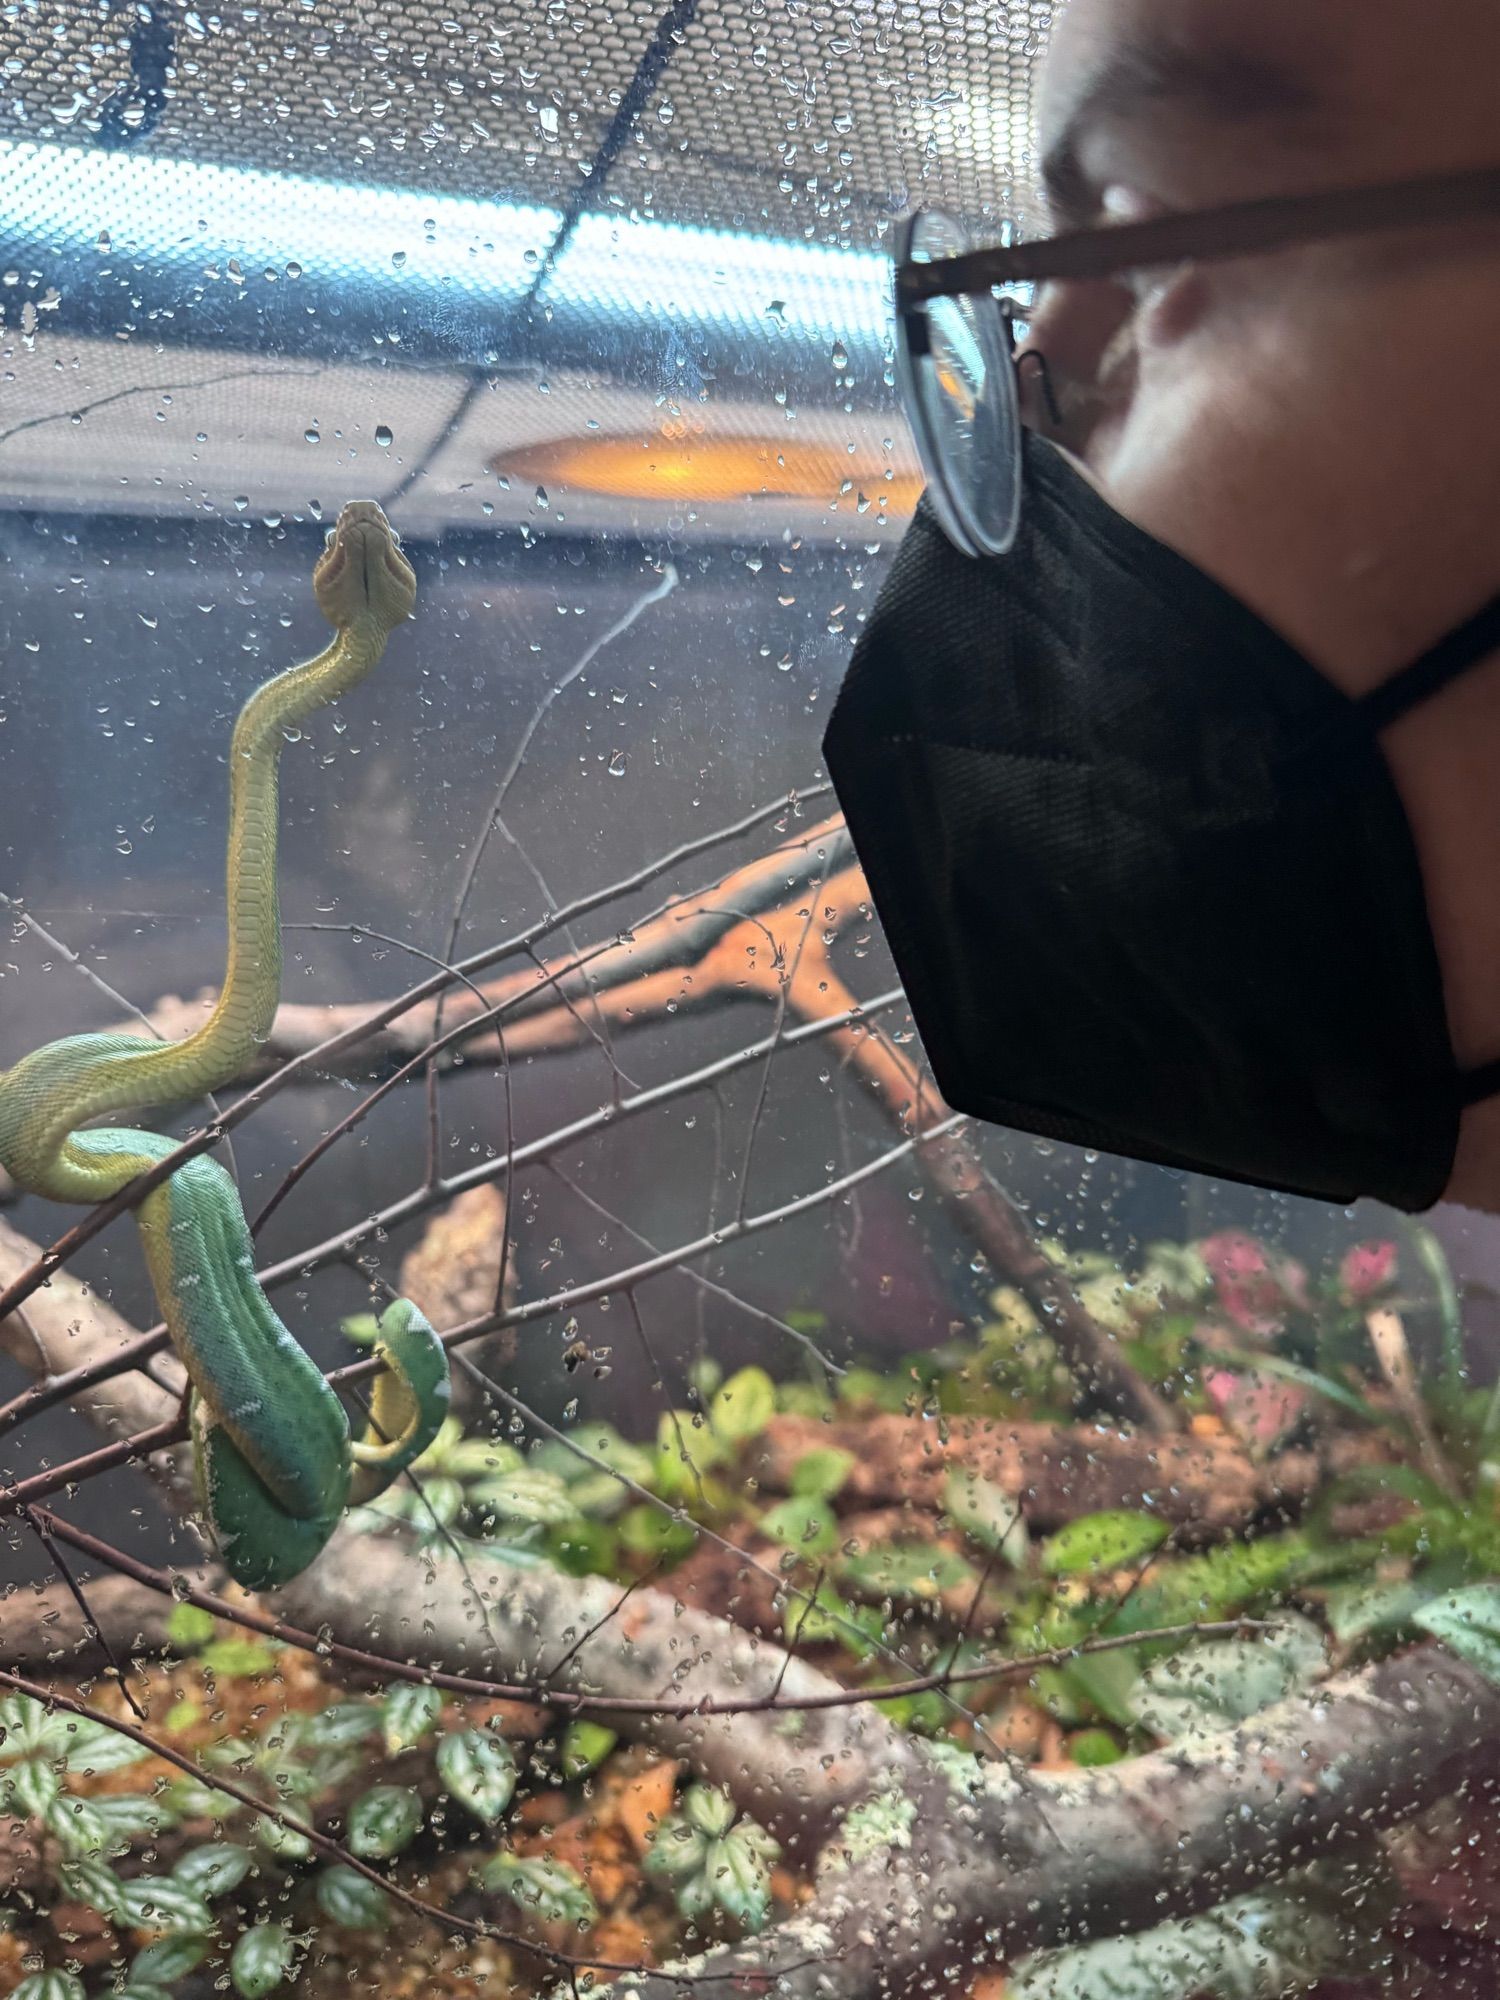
(983, 1880)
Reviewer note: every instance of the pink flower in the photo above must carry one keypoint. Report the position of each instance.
(1260, 1410)
(1365, 1270)
(1253, 1288)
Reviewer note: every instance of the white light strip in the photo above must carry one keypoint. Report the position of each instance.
(72, 196)
(134, 205)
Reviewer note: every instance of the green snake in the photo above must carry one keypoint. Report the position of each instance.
(274, 1463)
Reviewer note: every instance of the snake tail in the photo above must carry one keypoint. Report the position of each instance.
(408, 1403)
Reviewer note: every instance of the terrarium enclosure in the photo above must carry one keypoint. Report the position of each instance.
(838, 1390)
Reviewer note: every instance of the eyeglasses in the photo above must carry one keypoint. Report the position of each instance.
(958, 367)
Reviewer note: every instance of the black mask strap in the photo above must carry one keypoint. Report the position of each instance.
(1455, 654)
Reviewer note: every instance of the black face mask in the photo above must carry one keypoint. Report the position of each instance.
(1144, 870)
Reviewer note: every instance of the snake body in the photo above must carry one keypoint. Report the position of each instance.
(275, 1465)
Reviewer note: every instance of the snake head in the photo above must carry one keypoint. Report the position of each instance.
(362, 570)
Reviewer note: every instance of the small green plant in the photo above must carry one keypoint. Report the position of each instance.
(712, 1861)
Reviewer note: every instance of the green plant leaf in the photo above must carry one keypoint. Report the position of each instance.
(677, 1850)
(739, 1869)
(130, 1815)
(548, 1890)
(524, 1495)
(350, 1899)
(708, 1809)
(262, 1960)
(743, 1406)
(685, 1450)
(191, 1798)
(49, 1986)
(582, 1547)
(92, 1748)
(479, 1770)
(585, 1746)
(33, 1785)
(92, 1882)
(1204, 1688)
(905, 1571)
(167, 1961)
(1105, 1541)
(630, 1461)
(1091, 1748)
(77, 1825)
(384, 1820)
(1100, 1682)
(651, 1531)
(342, 1724)
(26, 1728)
(237, 1659)
(819, 1473)
(481, 1458)
(1386, 1608)
(987, 1515)
(283, 1841)
(409, 1715)
(154, 1903)
(803, 1523)
(213, 1869)
(1468, 1623)
(437, 1504)
(189, 1626)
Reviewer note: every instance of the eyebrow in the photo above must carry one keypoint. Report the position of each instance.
(1234, 85)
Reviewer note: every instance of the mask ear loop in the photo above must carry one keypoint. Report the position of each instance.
(1455, 654)
(1008, 317)
(1044, 377)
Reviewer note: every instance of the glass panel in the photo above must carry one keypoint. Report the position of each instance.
(787, 1411)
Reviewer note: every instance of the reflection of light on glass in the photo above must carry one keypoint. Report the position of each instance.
(957, 355)
(130, 205)
(73, 198)
(637, 268)
(683, 462)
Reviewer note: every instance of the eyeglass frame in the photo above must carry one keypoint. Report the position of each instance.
(1208, 235)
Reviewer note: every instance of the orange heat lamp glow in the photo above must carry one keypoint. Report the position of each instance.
(683, 464)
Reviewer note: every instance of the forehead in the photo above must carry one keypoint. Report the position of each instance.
(1250, 55)
(1352, 74)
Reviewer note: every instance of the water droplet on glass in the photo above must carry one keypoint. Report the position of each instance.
(241, 502)
(398, 259)
(311, 436)
(617, 764)
(294, 270)
(384, 435)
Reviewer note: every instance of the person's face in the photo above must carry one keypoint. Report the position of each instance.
(1318, 429)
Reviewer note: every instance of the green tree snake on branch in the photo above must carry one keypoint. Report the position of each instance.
(274, 1462)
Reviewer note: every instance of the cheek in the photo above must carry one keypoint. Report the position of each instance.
(1174, 311)
(1215, 456)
